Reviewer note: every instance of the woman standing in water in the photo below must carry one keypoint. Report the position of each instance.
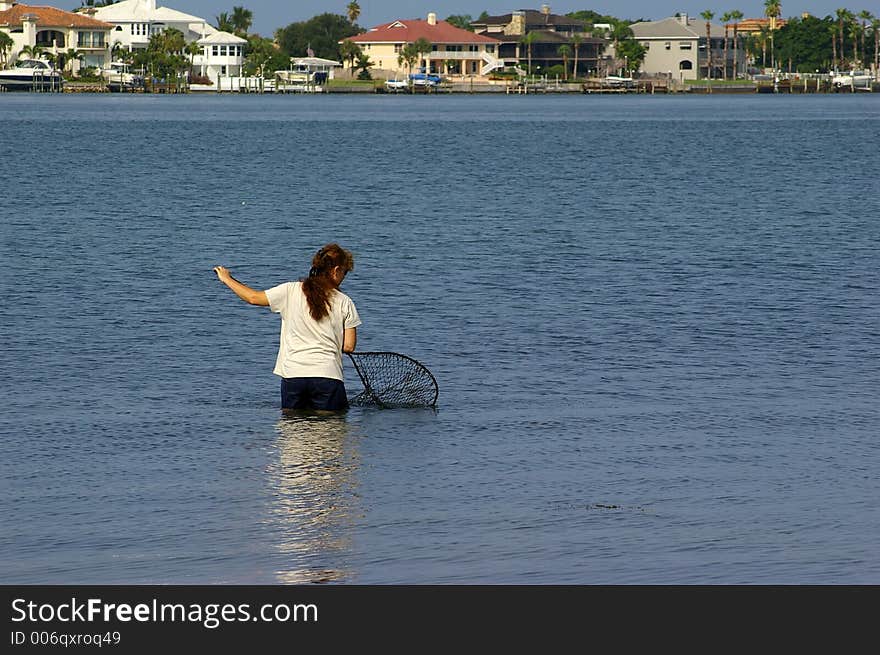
(318, 324)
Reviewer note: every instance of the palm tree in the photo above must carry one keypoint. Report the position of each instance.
(736, 15)
(67, 58)
(224, 23)
(192, 49)
(6, 45)
(708, 16)
(875, 27)
(866, 17)
(528, 40)
(764, 35)
(408, 56)
(32, 51)
(349, 50)
(422, 47)
(834, 47)
(772, 10)
(564, 50)
(844, 16)
(353, 10)
(725, 18)
(576, 41)
(241, 20)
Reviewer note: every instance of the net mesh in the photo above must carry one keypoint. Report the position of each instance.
(393, 380)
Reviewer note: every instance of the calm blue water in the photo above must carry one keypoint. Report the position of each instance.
(655, 322)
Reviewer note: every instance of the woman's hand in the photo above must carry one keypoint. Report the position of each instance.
(223, 273)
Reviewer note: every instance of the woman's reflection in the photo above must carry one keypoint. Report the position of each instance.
(315, 480)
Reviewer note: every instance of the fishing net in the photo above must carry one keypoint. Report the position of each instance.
(393, 380)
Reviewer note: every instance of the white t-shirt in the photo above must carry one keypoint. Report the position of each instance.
(310, 348)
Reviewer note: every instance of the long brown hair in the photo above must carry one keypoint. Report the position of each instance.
(319, 286)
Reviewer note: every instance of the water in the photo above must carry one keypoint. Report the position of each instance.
(654, 321)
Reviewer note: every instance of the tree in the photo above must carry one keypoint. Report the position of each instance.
(844, 17)
(772, 10)
(726, 18)
(528, 40)
(422, 47)
(163, 56)
(564, 51)
(322, 33)
(875, 27)
(261, 55)
(408, 57)
(363, 65)
(462, 21)
(708, 16)
(576, 41)
(349, 51)
(66, 59)
(633, 53)
(192, 49)
(806, 43)
(6, 45)
(736, 15)
(224, 23)
(353, 10)
(866, 17)
(31, 51)
(241, 20)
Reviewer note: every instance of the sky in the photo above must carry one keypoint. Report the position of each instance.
(270, 15)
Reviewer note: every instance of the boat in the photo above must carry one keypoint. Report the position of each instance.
(616, 81)
(120, 78)
(396, 85)
(31, 75)
(425, 79)
(855, 80)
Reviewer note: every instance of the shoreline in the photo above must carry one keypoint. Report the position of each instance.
(648, 87)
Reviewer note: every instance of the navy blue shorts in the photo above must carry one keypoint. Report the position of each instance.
(313, 393)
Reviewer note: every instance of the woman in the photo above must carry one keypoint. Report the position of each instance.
(318, 324)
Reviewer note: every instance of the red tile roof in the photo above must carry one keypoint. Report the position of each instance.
(50, 17)
(407, 31)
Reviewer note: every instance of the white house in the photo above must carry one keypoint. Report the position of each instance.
(55, 31)
(222, 55)
(135, 21)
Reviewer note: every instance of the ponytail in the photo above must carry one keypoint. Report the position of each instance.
(318, 287)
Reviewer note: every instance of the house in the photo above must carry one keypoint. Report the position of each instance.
(454, 52)
(55, 31)
(550, 32)
(135, 21)
(677, 48)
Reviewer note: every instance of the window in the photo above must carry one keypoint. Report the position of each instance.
(490, 47)
(453, 48)
(684, 45)
(222, 50)
(473, 48)
(667, 45)
(685, 65)
(397, 48)
(91, 40)
(214, 51)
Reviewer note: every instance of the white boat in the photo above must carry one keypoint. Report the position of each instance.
(31, 75)
(396, 85)
(120, 78)
(858, 80)
(616, 81)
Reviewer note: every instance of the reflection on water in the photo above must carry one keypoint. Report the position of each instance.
(314, 488)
